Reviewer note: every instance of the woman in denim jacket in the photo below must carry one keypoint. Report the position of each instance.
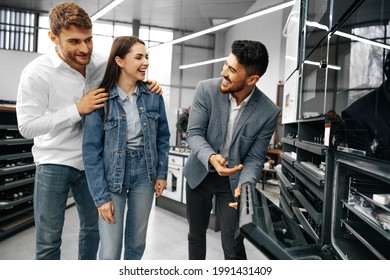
(125, 151)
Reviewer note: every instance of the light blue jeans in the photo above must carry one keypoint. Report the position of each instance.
(52, 185)
(138, 191)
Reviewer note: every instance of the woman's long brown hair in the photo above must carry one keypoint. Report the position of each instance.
(120, 47)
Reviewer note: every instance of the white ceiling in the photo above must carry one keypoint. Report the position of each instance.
(189, 15)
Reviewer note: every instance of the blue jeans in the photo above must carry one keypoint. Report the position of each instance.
(138, 191)
(52, 185)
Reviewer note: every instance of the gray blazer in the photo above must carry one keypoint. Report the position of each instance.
(207, 129)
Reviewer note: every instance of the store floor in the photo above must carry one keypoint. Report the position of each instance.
(166, 239)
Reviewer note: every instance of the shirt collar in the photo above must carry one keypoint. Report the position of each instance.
(123, 95)
(246, 100)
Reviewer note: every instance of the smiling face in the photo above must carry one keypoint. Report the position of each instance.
(74, 46)
(234, 76)
(135, 63)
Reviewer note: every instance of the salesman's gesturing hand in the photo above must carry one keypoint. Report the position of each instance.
(219, 164)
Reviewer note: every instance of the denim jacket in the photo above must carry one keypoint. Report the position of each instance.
(104, 143)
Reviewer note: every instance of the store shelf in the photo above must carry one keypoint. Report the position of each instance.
(288, 141)
(385, 234)
(367, 237)
(314, 177)
(305, 224)
(11, 142)
(16, 156)
(285, 188)
(317, 216)
(16, 176)
(288, 158)
(20, 222)
(312, 147)
(15, 169)
(8, 204)
(318, 191)
(17, 183)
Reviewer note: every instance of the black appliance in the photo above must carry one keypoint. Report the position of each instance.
(272, 231)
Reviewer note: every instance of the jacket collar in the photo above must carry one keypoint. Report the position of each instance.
(141, 89)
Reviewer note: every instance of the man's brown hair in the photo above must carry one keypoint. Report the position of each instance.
(66, 14)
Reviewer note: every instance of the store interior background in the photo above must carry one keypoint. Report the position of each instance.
(185, 17)
(317, 201)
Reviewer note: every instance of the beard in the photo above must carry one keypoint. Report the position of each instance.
(81, 59)
(231, 88)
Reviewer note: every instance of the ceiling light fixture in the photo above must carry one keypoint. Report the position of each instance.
(362, 40)
(186, 66)
(106, 9)
(229, 23)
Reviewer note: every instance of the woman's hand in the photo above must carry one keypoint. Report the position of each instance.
(106, 212)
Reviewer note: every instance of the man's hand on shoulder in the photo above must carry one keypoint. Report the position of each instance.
(91, 101)
(154, 86)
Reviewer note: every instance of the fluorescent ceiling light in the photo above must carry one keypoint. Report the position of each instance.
(229, 23)
(361, 39)
(333, 67)
(106, 9)
(316, 25)
(202, 63)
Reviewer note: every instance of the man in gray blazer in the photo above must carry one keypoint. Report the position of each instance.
(229, 129)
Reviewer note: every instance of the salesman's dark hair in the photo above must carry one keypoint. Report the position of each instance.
(253, 55)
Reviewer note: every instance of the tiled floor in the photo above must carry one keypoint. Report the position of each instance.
(167, 238)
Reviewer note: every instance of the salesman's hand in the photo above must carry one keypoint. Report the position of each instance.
(237, 194)
(159, 187)
(106, 212)
(219, 164)
(154, 86)
(91, 101)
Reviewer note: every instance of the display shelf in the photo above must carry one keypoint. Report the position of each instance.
(318, 191)
(304, 223)
(385, 234)
(285, 189)
(353, 249)
(8, 204)
(368, 238)
(20, 222)
(17, 183)
(312, 147)
(349, 219)
(285, 206)
(317, 216)
(288, 158)
(16, 169)
(16, 176)
(289, 167)
(22, 155)
(11, 142)
(315, 178)
(16, 213)
(289, 141)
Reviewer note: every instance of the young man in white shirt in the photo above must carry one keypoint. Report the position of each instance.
(55, 90)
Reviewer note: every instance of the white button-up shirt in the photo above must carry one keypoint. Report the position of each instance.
(46, 107)
(235, 113)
